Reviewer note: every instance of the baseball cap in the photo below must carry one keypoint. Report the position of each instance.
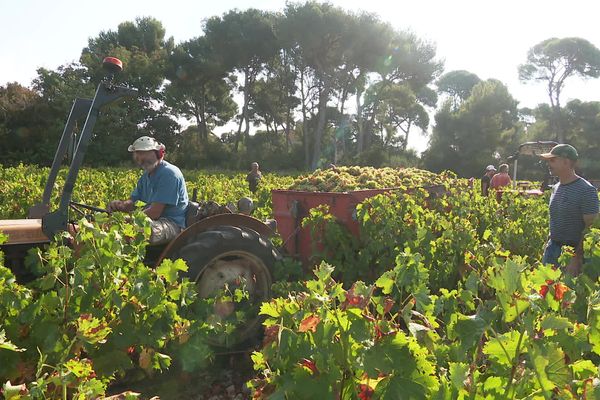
(490, 168)
(562, 150)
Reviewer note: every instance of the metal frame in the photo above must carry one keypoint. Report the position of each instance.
(530, 149)
(107, 92)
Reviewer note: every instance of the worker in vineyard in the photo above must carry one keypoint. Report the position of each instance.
(161, 187)
(573, 207)
(254, 177)
(501, 179)
(490, 170)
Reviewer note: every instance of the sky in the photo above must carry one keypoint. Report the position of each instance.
(487, 37)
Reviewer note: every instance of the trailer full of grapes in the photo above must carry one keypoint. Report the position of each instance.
(290, 207)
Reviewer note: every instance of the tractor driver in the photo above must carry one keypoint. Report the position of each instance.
(161, 187)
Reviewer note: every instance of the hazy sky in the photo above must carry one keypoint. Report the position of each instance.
(489, 38)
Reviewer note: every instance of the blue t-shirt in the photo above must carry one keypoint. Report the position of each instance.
(568, 204)
(166, 185)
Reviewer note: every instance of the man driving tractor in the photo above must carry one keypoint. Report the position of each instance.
(161, 187)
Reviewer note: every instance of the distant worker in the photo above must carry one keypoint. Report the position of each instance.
(254, 177)
(501, 179)
(161, 187)
(490, 170)
(574, 206)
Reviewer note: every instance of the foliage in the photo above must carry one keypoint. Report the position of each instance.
(23, 186)
(509, 328)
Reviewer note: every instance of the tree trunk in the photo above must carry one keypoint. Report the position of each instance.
(243, 115)
(204, 128)
(360, 134)
(406, 132)
(323, 99)
(198, 120)
(288, 119)
(304, 130)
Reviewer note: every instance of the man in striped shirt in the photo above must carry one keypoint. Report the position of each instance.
(573, 207)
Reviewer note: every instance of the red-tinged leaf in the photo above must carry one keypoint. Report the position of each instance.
(388, 304)
(271, 333)
(310, 364)
(365, 392)
(560, 290)
(544, 291)
(309, 323)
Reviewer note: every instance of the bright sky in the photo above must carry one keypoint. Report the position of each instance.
(489, 38)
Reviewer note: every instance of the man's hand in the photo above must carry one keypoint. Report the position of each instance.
(120, 205)
(574, 266)
(115, 205)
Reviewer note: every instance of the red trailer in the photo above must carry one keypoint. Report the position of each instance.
(290, 207)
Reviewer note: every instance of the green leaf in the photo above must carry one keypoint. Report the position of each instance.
(594, 321)
(106, 363)
(6, 344)
(555, 322)
(399, 388)
(269, 309)
(323, 271)
(494, 384)
(169, 269)
(458, 374)
(502, 350)
(584, 369)
(486, 234)
(550, 367)
(194, 354)
(386, 281)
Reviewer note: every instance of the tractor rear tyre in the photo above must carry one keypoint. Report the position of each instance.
(232, 257)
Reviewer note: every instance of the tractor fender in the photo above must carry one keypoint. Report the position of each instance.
(239, 220)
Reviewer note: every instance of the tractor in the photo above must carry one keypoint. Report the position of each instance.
(219, 247)
(531, 149)
(534, 149)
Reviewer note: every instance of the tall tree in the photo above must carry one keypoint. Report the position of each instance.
(144, 50)
(324, 49)
(457, 85)
(245, 41)
(554, 60)
(466, 139)
(410, 63)
(199, 87)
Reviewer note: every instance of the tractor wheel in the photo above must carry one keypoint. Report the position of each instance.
(226, 258)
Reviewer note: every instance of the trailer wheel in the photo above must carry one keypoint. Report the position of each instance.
(225, 258)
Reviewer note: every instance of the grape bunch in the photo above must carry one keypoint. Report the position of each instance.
(346, 179)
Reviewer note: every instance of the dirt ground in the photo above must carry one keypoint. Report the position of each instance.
(225, 379)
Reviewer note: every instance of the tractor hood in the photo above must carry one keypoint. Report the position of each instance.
(23, 231)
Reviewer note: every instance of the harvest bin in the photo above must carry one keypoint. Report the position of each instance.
(290, 207)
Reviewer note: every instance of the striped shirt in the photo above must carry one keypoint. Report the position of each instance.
(568, 204)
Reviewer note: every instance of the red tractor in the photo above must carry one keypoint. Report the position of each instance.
(219, 249)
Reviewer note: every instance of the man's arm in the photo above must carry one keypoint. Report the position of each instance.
(155, 210)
